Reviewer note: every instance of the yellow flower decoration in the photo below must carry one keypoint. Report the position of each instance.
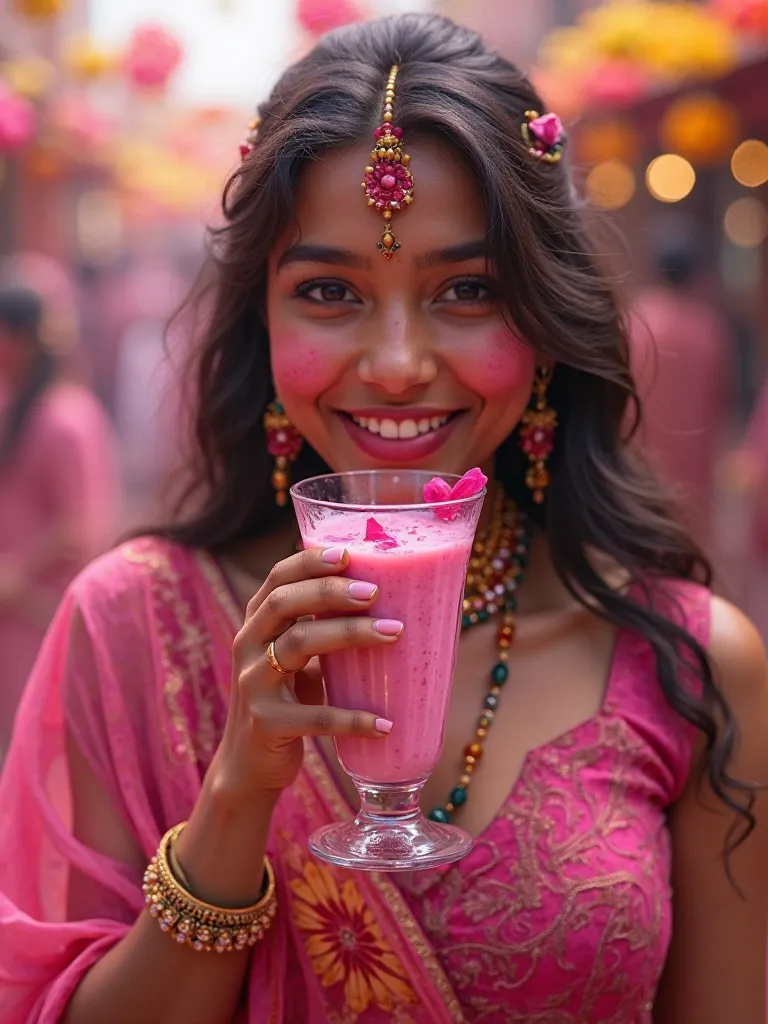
(39, 9)
(345, 944)
(84, 59)
(31, 77)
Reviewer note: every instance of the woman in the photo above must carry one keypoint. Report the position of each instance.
(56, 489)
(163, 694)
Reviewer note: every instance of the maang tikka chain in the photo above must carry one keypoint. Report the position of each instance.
(388, 183)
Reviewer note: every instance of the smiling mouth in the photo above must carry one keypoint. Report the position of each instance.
(401, 430)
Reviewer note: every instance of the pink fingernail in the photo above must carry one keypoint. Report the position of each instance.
(383, 725)
(388, 627)
(362, 591)
(332, 556)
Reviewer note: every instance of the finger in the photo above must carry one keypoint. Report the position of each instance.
(324, 596)
(322, 720)
(314, 563)
(305, 640)
(308, 685)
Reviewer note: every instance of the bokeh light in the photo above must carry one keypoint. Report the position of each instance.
(611, 184)
(670, 178)
(746, 222)
(749, 163)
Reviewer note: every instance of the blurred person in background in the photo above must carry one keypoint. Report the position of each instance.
(681, 362)
(57, 488)
(746, 471)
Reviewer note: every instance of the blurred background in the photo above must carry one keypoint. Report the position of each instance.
(120, 121)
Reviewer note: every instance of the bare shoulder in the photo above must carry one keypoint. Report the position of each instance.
(738, 657)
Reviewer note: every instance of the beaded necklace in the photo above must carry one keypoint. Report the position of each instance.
(499, 559)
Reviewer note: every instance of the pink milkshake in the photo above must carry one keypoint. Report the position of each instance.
(411, 535)
(420, 572)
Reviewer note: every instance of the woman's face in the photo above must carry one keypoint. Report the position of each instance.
(402, 362)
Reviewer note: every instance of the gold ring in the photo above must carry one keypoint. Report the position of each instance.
(272, 659)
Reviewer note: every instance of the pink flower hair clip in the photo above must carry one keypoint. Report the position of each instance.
(248, 144)
(544, 136)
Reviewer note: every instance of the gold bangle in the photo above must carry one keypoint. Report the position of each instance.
(201, 925)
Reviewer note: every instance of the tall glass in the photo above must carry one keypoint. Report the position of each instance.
(417, 554)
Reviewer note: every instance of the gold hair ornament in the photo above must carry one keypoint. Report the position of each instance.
(388, 182)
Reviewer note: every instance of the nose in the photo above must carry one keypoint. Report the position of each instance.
(398, 354)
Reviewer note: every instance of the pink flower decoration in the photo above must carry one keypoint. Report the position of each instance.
(286, 442)
(438, 490)
(375, 532)
(321, 16)
(17, 120)
(548, 129)
(390, 182)
(153, 55)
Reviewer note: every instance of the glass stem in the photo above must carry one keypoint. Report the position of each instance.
(388, 801)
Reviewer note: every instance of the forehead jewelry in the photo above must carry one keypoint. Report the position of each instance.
(388, 182)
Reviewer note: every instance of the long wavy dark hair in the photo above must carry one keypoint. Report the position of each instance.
(21, 314)
(601, 498)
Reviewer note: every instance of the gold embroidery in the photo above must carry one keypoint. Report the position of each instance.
(344, 943)
(533, 892)
(185, 654)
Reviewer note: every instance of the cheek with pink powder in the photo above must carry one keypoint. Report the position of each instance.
(301, 367)
(497, 369)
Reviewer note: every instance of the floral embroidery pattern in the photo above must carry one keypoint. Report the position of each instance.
(344, 943)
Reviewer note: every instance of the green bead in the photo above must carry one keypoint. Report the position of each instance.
(483, 615)
(466, 622)
(511, 604)
(458, 796)
(439, 814)
(499, 673)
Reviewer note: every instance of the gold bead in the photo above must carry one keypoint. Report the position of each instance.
(407, 199)
(382, 153)
(406, 158)
(371, 202)
(388, 239)
(387, 214)
(279, 480)
(281, 499)
(369, 170)
(388, 116)
(469, 763)
(475, 751)
(397, 158)
(482, 733)
(495, 690)
(464, 780)
(390, 154)
(449, 807)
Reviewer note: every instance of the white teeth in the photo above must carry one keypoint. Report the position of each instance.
(405, 429)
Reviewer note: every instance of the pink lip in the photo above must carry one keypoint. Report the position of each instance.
(399, 451)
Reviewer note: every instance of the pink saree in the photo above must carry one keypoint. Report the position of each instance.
(136, 669)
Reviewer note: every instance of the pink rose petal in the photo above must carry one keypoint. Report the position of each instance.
(471, 483)
(436, 490)
(376, 533)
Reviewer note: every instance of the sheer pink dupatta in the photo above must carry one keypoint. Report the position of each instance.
(136, 668)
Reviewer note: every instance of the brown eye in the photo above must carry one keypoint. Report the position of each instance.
(327, 292)
(469, 290)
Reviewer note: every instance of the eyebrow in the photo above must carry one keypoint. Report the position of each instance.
(453, 254)
(303, 252)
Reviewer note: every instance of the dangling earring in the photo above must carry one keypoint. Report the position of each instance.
(537, 434)
(284, 444)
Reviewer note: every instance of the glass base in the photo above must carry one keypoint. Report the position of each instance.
(390, 833)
